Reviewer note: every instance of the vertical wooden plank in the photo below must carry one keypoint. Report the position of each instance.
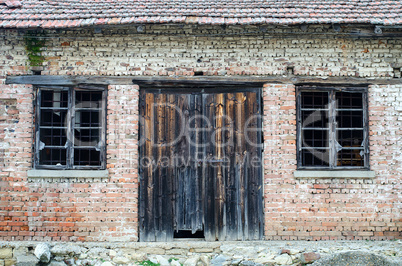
(230, 175)
(220, 218)
(208, 171)
(199, 154)
(170, 153)
(254, 173)
(147, 232)
(240, 167)
(165, 193)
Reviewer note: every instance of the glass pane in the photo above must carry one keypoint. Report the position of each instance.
(86, 157)
(315, 157)
(53, 137)
(317, 119)
(54, 98)
(348, 100)
(314, 100)
(350, 119)
(54, 118)
(315, 138)
(52, 156)
(87, 118)
(86, 137)
(350, 158)
(88, 96)
(350, 138)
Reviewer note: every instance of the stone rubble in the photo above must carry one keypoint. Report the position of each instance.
(252, 253)
(42, 252)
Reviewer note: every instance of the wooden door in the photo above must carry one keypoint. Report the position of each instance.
(200, 164)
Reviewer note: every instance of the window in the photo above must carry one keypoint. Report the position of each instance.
(70, 128)
(332, 128)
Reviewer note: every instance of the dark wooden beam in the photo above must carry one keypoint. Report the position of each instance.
(196, 81)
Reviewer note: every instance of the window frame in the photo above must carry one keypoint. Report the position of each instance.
(70, 127)
(332, 138)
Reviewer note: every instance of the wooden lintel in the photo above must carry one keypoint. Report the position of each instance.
(164, 81)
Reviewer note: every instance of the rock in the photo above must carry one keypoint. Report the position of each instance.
(138, 256)
(6, 253)
(42, 252)
(107, 263)
(58, 258)
(83, 256)
(294, 251)
(218, 260)
(162, 261)
(252, 263)
(309, 257)
(191, 261)
(112, 253)
(356, 258)
(284, 251)
(236, 261)
(98, 252)
(283, 259)
(205, 260)
(66, 249)
(9, 262)
(325, 250)
(1, 262)
(57, 263)
(265, 260)
(70, 262)
(175, 263)
(121, 260)
(26, 260)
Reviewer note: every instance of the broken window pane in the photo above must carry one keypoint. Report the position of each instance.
(339, 128)
(86, 157)
(315, 157)
(315, 138)
(350, 157)
(50, 156)
(56, 98)
(53, 136)
(86, 137)
(54, 118)
(74, 113)
(350, 138)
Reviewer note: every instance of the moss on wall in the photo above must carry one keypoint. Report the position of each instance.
(34, 43)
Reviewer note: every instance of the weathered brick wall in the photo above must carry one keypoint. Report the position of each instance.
(175, 50)
(68, 209)
(328, 209)
(106, 208)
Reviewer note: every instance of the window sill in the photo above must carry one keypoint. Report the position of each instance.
(67, 173)
(349, 174)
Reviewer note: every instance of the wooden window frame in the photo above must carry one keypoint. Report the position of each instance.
(332, 126)
(70, 128)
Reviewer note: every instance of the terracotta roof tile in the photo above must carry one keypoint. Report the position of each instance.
(77, 13)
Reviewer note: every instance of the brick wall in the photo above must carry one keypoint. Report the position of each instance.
(329, 209)
(183, 50)
(68, 209)
(102, 209)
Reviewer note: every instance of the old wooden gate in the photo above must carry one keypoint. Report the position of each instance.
(200, 164)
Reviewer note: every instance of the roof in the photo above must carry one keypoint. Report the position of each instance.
(79, 13)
